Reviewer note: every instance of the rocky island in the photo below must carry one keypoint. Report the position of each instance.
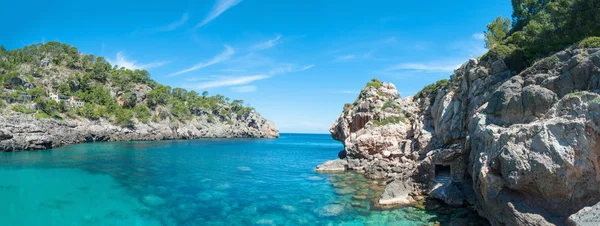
(52, 95)
(515, 134)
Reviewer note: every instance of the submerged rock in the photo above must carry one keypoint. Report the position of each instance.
(153, 201)
(330, 210)
(397, 193)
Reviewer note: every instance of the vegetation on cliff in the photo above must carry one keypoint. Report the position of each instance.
(99, 90)
(541, 27)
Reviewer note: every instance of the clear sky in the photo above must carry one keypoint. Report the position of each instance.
(296, 61)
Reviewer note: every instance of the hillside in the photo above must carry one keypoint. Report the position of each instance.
(52, 95)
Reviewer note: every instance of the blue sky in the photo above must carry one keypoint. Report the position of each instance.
(296, 61)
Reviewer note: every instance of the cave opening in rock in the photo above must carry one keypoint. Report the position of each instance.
(443, 173)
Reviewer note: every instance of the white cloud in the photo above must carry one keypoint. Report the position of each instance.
(174, 25)
(220, 7)
(231, 81)
(479, 36)
(225, 55)
(425, 67)
(122, 61)
(345, 58)
(244, 89)
(267, 44)
(224, 81)
(306, 68)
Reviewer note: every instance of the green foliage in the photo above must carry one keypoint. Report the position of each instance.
(123, 117)
(374, 83)
(100, 85)
(432, 88)
(496, 32)
(389, 104)
(142, 113)
(64, 89)
(42, 115)
(22, 109)
(541, 27)
(390, 120)
(180, 111)
(89, 110)
(595, 100)
(158, 96)
(590, 42)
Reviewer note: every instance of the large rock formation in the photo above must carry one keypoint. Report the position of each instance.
(25, 132)
(524, 149)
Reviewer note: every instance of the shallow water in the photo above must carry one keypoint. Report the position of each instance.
(193, 182)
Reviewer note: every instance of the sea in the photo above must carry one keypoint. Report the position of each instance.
(197, 182)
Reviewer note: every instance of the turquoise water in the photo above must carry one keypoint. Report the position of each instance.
(192, 182)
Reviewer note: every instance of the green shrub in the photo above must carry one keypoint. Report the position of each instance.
(389, 104)
(390, 120)
(22, 109)
(142, 113)
(374, 83)
(589, 42)
(42, 115)
(124, 117)
(433, 88)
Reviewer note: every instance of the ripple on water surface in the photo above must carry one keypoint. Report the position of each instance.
(198, 182)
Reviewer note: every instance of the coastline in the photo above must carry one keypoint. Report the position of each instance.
(25, 132)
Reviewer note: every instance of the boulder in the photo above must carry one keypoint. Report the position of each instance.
(588, 216)
(397, 193)
(338, 165)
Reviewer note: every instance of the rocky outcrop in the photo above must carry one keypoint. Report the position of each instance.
(25, 132)
(338, 165)
(523, 149)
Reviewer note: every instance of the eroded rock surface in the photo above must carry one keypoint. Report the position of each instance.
(25, 132)
(524, 149)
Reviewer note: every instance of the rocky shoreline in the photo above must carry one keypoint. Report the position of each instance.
(521, 149)
(19, 132)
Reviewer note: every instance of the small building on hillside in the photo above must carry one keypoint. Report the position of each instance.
(76, 102)
(72, 100)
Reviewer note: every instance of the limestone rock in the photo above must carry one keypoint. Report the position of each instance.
(588, 216)
(338, 165)
(524, 149)
(397, 193)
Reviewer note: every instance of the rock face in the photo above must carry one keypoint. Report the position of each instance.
(24, 132)
(524, 149)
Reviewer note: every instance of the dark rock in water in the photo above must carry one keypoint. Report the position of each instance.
(342, 154)
(432, 204)
(459, 222)
(397, 193)
(449, 193)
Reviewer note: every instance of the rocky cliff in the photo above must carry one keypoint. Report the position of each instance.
(25, 132)
(522, 148)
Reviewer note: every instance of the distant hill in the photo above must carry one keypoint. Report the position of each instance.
(55, 81)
